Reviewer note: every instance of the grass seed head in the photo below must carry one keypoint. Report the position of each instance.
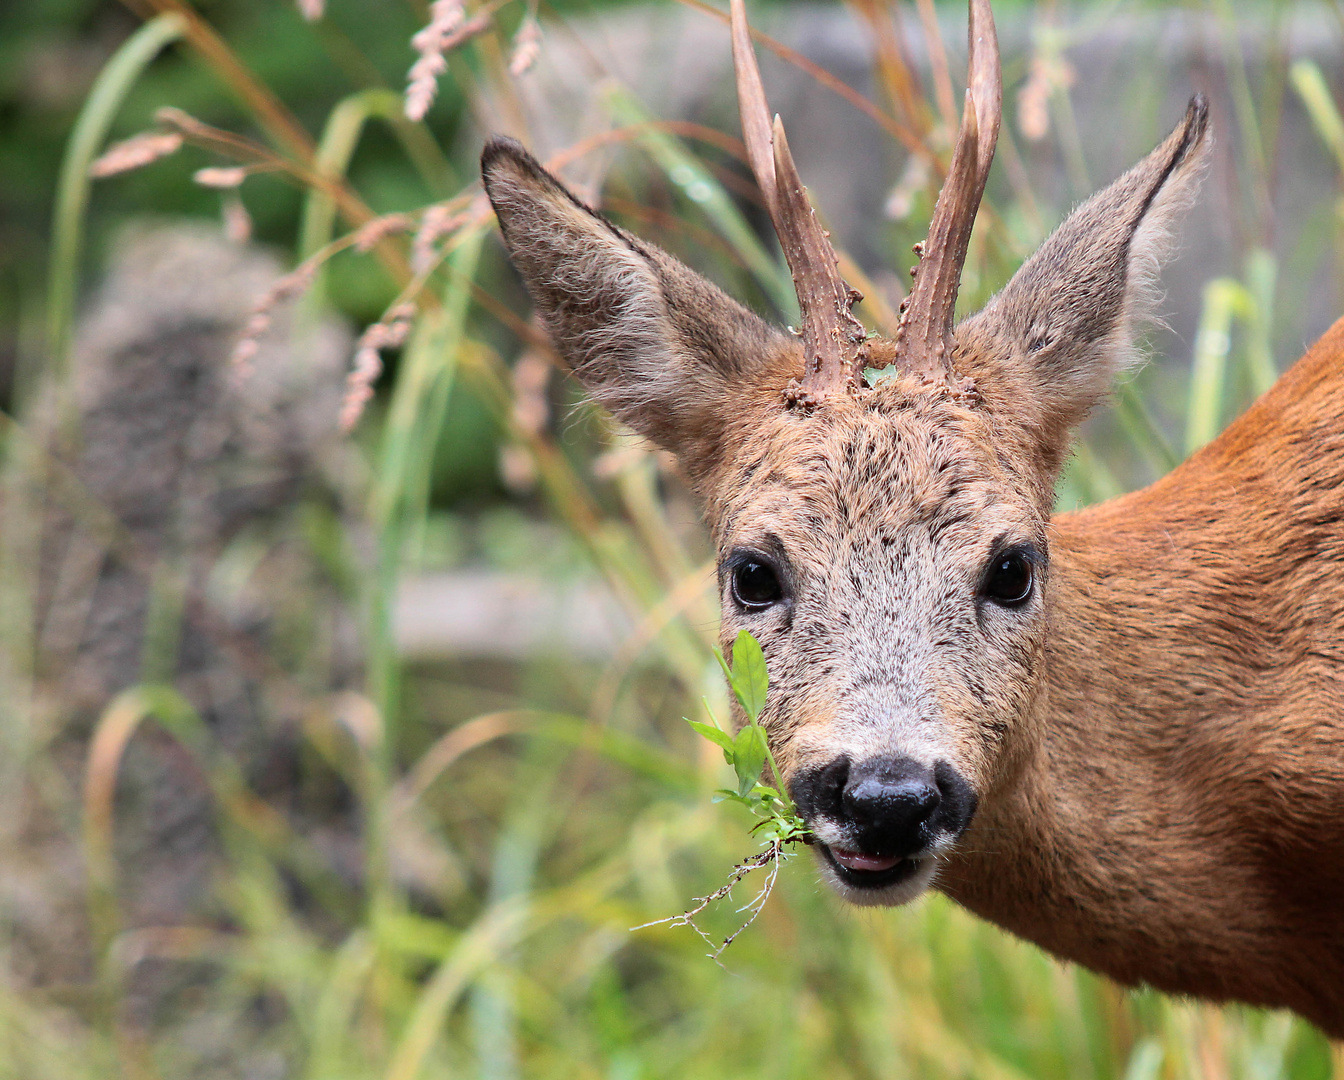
(422, 83)
(390, 332)
(135, 153)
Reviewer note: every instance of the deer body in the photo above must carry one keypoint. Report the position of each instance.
(1177, 824)
(1118, 733)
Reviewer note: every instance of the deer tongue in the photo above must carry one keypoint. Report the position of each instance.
(856, 860)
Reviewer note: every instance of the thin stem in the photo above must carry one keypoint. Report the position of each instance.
(72, 190)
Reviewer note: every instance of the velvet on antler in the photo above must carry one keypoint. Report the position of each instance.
(924, 336)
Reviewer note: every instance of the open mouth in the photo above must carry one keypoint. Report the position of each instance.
(866, 871)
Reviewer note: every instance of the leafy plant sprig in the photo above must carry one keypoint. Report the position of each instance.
(748, 752)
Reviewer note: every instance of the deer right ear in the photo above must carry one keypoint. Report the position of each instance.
(1051, 343)
(666, 351)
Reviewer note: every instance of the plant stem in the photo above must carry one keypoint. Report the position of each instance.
(72, 189)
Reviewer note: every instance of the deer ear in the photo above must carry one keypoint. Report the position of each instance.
(1064, 326)
(666, 351)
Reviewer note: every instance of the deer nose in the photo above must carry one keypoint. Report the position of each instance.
(889, 801)
(890, 806)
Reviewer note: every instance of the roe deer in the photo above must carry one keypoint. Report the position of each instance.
(1118, 733)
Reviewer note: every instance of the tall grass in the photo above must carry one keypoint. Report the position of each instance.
(514, 825)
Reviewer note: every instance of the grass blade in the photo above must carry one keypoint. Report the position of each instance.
(72, 189)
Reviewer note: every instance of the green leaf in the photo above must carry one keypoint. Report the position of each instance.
(719, 738)
(773, 829)
(749, 680)
(749, 757)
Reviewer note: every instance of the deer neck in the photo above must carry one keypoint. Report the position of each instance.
(1179, 806)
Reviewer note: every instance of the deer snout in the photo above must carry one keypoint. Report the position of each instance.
(889, 802)
(879, 820)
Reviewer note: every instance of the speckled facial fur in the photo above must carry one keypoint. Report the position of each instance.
(881, 519)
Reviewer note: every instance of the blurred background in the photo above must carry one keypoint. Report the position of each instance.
(344, 650)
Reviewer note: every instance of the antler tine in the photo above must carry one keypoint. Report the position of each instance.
(752, 108)
(834, 341)
(924, 337)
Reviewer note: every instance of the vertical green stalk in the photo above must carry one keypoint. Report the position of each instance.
(1227, 301)
(1243, 104)
(698, 184)
(1145, 434)
(1320, 105)
(1261, 282)
(20, 543)
(344, 128)
(400, 501)
(1203, 420)
(340, 136)
(163, 621)
(1316, 97)
(72, 190)
(1051, 43)
(518, 849)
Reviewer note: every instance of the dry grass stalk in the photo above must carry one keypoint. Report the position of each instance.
(288, 287)
(526, 47)
(531, 414)
(237, 221)
(136, 152)
(447, 28)
(1050, 73)
(388, 333)
(298, 280)
(438, 221)
(372, 233)
(220, 177)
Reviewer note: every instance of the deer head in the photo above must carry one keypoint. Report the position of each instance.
(888, 545)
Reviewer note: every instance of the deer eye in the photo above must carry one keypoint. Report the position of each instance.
(1010, 578)
(755, 584)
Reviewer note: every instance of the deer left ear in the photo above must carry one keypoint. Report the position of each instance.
(1064, 326)
(666, 351)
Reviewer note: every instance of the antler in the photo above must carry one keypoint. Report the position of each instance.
(834, 341)
(924, 336)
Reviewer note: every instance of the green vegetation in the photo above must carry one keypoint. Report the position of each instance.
(748, 751)
(446, 886)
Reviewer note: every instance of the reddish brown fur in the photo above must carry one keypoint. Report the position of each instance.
(1154, 738)
(1177, 824)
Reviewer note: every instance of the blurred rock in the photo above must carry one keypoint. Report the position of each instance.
(172, 508)
(188, 459)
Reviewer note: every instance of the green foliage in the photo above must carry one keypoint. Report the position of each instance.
(749, 751)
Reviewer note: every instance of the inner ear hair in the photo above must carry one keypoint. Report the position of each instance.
(1053, 340)
(665, 350)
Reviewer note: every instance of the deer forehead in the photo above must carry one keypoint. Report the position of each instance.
(901, 468)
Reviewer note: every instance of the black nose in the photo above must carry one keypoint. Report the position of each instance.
(890, 797)
(886, 805)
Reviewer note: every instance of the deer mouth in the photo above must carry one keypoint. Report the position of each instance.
(861, 870)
